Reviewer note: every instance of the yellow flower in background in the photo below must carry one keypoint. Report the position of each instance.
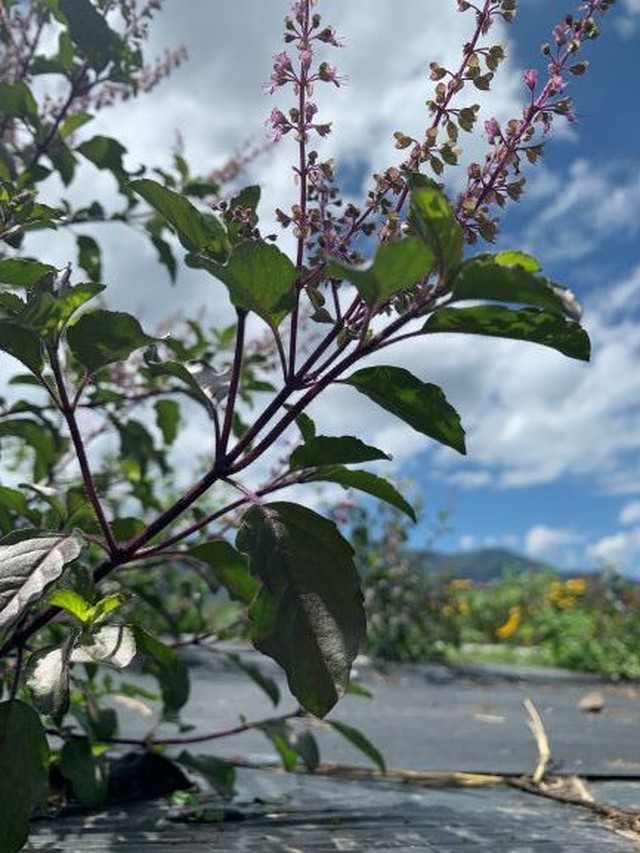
(511, 625)
(576, 586)
(463, 607)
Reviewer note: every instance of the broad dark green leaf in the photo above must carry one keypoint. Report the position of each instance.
(167, 419)
(309, 613)
(364, 481)
(306, 426)
(106, 153)
(23, 344)
(327, 450)
(102, 337)
(220, 775)
(23, 771)
(397, 266)
(264, 682)
(496, 278)
(229, 568)
(87, 773)
(357, 739)
(23, 272)
(198, 232)
(527, 324)
(28, 568)
(89, 256)
(433, 219)
(421, 405)
(17, 101)
(247, 197)
(89, 31)
(259, 278)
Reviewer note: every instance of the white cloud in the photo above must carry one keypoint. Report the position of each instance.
(551, 543)
(630, 513)
(627, 19)
(620, 550)
(582, 208)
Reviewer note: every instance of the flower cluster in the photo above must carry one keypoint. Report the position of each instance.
(500, 178)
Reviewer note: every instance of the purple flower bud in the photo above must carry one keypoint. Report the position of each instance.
(530, 78)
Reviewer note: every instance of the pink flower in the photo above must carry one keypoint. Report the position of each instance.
(328, 74)
(530, 78)
(492, 129)
(561, 33)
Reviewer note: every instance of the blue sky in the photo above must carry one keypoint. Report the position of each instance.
(554, 446)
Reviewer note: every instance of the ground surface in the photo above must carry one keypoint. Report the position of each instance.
(424, 719)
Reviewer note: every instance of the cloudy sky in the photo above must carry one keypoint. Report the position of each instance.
(554, 445)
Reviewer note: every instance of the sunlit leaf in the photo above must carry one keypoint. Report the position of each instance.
(527, 324)
(112, 644)
(398, 265)
(433, 219)
(496, 278)
(341, 450)
(364, 481)
(47, 677)
(309, 613)
(259, 278)
(27, 569)
(421, 405)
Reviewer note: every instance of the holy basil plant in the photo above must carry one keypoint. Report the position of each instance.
(120, 540)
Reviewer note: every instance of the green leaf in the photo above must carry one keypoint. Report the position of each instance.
(364, 481)
(486, 277)
(511, 258)
(527, 324)
(397, 266)
(258, 677)
(23, 771)
(433, 219)
(28, 568)
(47, 676)
(341, 450)
(278, 734)
(306, 746)
(228, 568)
(421, 405)
(16, 101)
(198, 232)
(23, 272)
(167, 419)
(89, 256)
(73, 603)
(70, 125)
(248, 197)
(102, 337)
(218, 773)
(357, 739)
(23, 344)
(306, 426)
(309, 614)
(86, 772)
(259, 278)
(164, 663)
(165, 256)
(106, 153)
(40, 440)
(178, 371)
(91, 34)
